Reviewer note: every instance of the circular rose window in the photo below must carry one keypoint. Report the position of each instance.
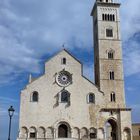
(64, 78)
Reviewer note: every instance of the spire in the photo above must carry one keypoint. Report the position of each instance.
(30, 78)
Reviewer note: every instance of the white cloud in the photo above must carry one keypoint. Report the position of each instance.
(130, 18)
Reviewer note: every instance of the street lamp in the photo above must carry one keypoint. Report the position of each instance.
(11, 113)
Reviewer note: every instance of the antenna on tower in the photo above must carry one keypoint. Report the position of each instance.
(63, 45)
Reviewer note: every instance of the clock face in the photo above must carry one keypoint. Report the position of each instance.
(64, 78)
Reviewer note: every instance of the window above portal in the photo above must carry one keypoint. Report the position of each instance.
(65, 96)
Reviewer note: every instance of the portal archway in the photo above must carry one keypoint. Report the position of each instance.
(111, 129)
(63, 130)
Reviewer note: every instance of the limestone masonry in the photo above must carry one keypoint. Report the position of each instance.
(63, 104)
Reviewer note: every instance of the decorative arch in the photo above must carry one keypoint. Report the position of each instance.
(101, 133)
(49, 132)
(76, 133)
(93, 133)
(32, 132)
(111, 129)
(84, 133)
(41, 132)
(127, 133)
(23, 132)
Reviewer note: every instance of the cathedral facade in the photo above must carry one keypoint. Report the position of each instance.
(63, 104)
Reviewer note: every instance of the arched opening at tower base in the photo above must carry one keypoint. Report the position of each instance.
(127, 134)
(111, 130)
(63, 131)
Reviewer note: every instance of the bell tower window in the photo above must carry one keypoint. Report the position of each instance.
(109, 32)
(108, 17)
(110, 55)
(112, 97)
(111, 74)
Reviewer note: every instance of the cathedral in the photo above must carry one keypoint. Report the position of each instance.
(64, 104)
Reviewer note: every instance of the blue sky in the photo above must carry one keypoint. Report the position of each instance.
(31, 31)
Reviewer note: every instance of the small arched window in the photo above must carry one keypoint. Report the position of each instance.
(91, 98)
(65, 96)
(112, 97)
(64, 61)
(111, 75)
(35, 96)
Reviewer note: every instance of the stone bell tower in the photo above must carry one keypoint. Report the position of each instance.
(109, 75)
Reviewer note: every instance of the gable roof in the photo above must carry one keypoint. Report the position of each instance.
(34, 79)
(64, 50)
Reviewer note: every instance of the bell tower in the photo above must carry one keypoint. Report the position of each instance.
(108, 63)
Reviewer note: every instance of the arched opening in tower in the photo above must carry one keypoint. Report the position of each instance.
(111, 129)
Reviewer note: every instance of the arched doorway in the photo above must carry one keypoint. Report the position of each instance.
(111, 129)
(63, 131)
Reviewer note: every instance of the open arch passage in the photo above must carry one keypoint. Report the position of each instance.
(127, 134)
(111, 129)
(63, 131)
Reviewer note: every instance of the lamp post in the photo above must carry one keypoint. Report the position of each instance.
(11, 113)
